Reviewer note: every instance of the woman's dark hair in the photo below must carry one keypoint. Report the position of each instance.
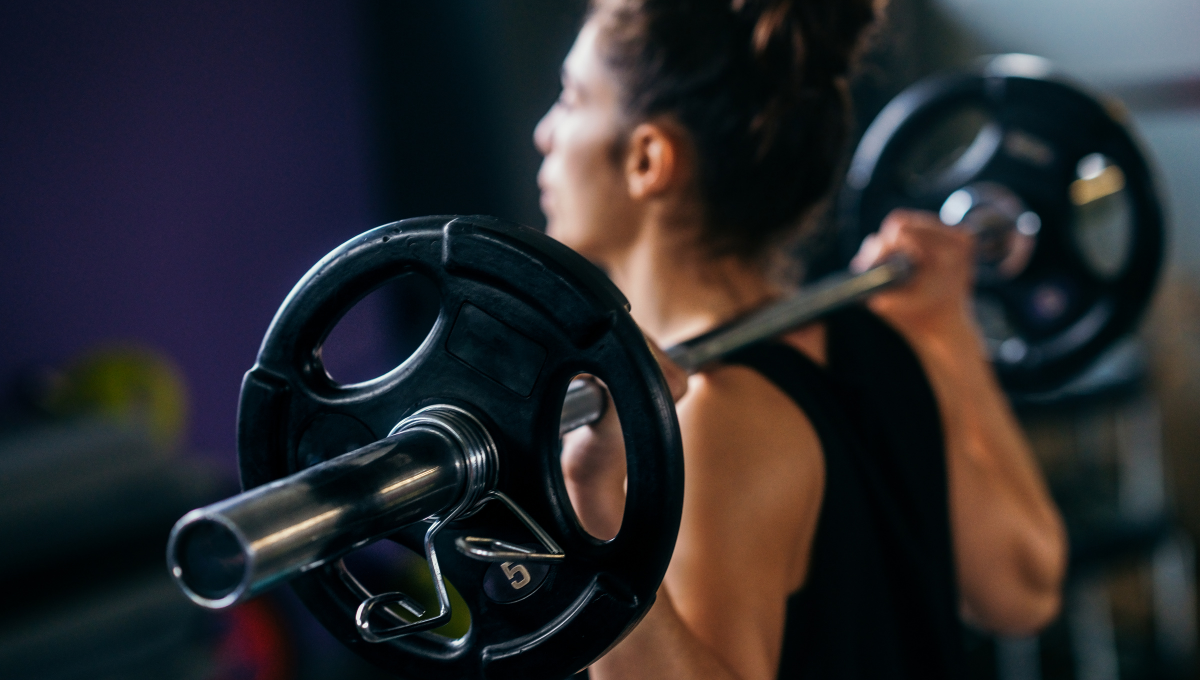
(760, 85)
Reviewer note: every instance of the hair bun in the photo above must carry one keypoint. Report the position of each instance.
(759, 84)
(816, 40)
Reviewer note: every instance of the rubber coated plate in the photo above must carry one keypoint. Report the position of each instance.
(520, 316)
(1071, 161)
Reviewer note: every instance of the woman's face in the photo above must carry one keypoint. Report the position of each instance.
(584, 193)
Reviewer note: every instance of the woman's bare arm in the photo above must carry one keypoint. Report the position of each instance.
(1010, 544)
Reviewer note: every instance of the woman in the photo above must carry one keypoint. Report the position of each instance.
(853, 486)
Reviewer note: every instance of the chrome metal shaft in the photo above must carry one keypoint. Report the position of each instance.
(584, 404)
(809, 304)
(234, 549)
(585, 400)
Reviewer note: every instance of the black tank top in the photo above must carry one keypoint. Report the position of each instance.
(881, 599)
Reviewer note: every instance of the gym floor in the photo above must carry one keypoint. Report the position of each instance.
(168, 172)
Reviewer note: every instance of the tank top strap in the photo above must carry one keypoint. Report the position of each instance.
(880, 598)
(808, 385)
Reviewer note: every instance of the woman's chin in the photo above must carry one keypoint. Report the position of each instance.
(558, 231)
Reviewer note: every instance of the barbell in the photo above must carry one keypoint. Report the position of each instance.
(455, 452)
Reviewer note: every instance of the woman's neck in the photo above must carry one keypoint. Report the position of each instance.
(676, 290)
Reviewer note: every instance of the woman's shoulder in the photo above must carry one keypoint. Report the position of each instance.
(736, 421)
(755, 475)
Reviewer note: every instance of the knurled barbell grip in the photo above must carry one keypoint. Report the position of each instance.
(585, 400)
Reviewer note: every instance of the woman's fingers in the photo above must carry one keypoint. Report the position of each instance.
(940, 287)
(868, 254)
(922, 238)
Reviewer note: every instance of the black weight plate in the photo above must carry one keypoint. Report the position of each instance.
(1016, 124)
(520, 316)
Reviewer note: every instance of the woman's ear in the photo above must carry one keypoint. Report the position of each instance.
(653, 161)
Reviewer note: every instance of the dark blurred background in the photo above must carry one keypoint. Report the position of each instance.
(169, 170)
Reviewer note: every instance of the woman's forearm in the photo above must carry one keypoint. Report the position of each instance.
(1009, 538)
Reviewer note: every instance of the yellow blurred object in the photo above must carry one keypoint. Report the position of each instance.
(1107, 182)
(413, 579)
(127, 383)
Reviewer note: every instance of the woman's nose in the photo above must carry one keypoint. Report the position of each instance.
(542, 133)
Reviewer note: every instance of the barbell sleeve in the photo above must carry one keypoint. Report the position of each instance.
(586, 400)
(234, 549)
(584, 404)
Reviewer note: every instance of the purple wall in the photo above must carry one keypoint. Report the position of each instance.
(167, 172)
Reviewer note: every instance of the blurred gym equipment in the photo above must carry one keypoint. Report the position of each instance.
(86, 495)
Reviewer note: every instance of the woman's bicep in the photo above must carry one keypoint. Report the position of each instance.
(753, 484)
